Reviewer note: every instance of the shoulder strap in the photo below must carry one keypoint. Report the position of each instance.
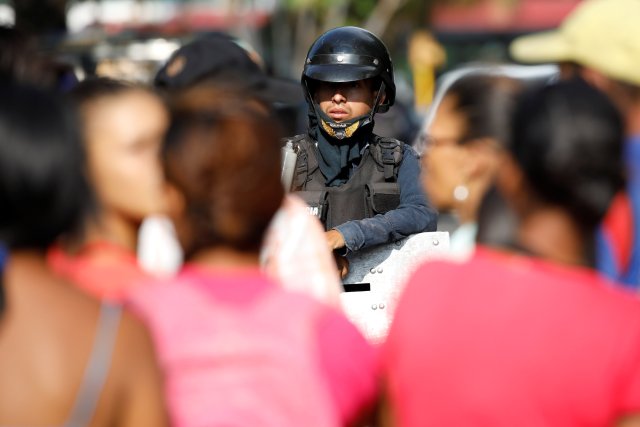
(97, 369)
(388, 152)
(4, 254)
(304, 142)
(307, 160)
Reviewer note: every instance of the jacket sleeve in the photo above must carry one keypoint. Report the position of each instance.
(413, 215)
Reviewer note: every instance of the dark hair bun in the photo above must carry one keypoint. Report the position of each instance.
(567, 138)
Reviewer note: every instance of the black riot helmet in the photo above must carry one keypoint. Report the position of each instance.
(348, 54)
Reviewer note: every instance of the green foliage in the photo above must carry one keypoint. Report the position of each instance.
(316, 6)
(360, 9)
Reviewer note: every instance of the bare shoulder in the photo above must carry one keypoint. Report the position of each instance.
(48, 330)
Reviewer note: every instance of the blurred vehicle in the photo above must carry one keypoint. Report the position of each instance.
(536, 74)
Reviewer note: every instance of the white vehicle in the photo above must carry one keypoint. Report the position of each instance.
(528, 73)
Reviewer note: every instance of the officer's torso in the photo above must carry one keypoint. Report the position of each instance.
(369, 191)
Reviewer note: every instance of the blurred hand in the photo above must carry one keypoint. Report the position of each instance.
(334, 239)
(343, 265)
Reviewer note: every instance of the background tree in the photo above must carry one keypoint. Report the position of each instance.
(297, 23)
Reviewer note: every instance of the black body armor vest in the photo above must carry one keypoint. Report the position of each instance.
(372, 188)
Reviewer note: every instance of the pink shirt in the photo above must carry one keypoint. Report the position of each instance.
(238, 350)
(507, 340)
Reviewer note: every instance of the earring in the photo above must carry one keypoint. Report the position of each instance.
(460, 193)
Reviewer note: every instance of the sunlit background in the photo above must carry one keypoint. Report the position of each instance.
(137, 35)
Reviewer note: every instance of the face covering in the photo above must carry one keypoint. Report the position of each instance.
(344, 129)
(340, 144)
(341, 147)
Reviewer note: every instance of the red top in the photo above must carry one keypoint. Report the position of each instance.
(103, 269)
(508, 340)
(618, 225)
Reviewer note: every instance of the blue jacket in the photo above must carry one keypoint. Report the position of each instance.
(618, 245)
(413, 215)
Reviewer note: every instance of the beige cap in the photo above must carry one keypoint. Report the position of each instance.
(600, 34)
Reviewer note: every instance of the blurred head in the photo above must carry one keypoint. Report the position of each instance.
(123, 130)
(600, 42)
(220, 58)
(470, 128)
(222, 155)
(600, 34)
(565, 152)
(43, 190)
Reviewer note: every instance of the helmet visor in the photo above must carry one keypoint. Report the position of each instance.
(340, 68)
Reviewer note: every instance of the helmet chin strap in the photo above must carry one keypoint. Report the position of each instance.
(342, 130)
(345, 129)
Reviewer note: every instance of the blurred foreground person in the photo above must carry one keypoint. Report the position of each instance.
(600, 43)
(462, 154)
(295, 247)
(65, 360)
(528, 334)
(237, 349)
(123, 130)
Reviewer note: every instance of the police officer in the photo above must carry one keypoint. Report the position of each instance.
(364, 188)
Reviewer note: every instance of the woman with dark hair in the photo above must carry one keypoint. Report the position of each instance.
(64, 358)
(123, 126)
(238, 349)
(461, 154)
(528, 333)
